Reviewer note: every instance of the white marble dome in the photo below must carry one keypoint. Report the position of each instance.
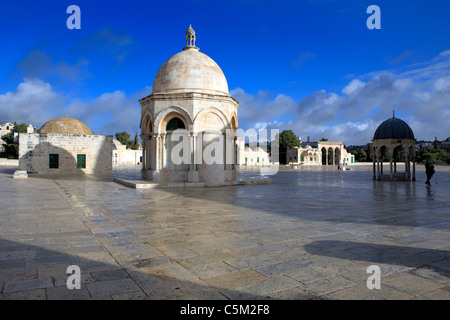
(190, 71)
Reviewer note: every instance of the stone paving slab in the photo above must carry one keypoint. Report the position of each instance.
(309, 235)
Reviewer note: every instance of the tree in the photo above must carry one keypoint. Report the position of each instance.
(360, 155)
(11, 148)
(287, 139)
(436, 156)
(123, 137)
(20, 128)
(136, 140)
(323, 139)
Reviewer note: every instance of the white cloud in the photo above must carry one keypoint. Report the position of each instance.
(419, 94)
(36, 102)
(33, 101)
(353, 87)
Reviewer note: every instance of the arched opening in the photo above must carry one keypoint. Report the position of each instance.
(337, 156)
(324, 156)
(304, 157)
(175, 148)
(175, 124)
(330, 154)
(383, 157)
(398, 156)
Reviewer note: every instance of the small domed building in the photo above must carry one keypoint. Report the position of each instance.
(65, 146)
(184, 122)
(395, 140)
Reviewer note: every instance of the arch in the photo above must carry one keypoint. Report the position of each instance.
(304, 156)
(164, 116)
(174, 124)
(234, 122)
(324, 153)
(146, 124)
(144, 120)
(330, 156)
(337, 156)
(210, 119)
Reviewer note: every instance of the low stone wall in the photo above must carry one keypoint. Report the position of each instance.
(9, 162)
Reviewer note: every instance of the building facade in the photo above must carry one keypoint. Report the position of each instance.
(65, 146)
(125, 157)
(324, 153)
(247, 156)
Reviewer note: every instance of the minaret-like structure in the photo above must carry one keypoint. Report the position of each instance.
(190, 39)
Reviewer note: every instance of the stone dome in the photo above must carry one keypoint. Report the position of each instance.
(393, 128)
(190, 71)
(65, 126)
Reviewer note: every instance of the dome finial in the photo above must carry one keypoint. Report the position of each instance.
(190, 38)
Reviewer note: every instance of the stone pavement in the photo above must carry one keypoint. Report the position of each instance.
(310, 235)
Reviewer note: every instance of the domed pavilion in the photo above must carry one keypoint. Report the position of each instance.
(394, 140)
(184, 122)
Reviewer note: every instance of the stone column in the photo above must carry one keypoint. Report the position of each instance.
(414, 166)
(378, 166)
(373, 156)
(144, 150)
(390, 160)
(163, 151)
(157, 146)
(193, 173)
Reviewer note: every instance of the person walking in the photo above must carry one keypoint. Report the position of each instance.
(429, 170)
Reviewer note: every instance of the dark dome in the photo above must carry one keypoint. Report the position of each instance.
(393, 128)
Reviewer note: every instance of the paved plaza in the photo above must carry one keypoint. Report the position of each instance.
(311, 234)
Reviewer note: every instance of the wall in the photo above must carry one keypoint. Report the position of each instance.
(34, 150)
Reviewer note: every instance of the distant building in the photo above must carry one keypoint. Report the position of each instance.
(320, 153)
(2, 145)
(125, 157)
(6, 128)
(446, 144)
(247, 156)
(65, 146)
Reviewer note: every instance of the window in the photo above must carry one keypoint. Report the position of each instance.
(174, 124)
(81, 161)
(53, 160)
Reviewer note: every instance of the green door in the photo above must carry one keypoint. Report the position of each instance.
(81, 161)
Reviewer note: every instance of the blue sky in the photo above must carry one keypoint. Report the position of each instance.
(312, 66)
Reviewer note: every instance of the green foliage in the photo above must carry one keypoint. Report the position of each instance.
(11, 148)
(323, 139)
(124, 138)
(360, 155)
(437, 156)
(288, 139)
(20, 128)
